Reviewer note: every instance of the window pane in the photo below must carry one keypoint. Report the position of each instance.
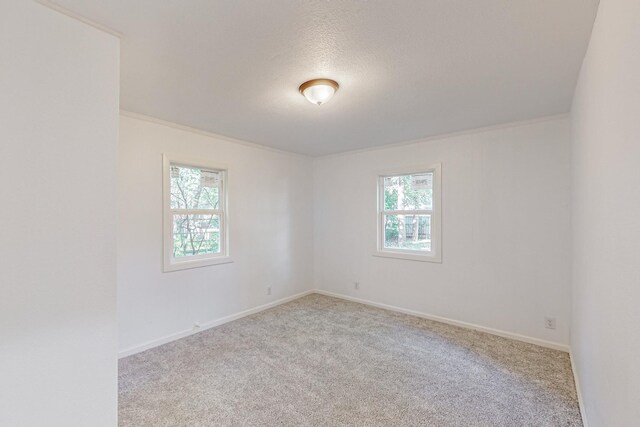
(194, 188)
(196, 235)
(409, 232)
(408, 192)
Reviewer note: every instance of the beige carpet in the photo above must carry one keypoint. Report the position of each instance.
(321, 361)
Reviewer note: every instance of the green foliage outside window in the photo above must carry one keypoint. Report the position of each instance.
(194, 233)
(407, 231)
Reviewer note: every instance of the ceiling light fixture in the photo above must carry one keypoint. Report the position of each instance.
(319, 91)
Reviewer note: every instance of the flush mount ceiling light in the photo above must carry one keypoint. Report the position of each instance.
(319, 91)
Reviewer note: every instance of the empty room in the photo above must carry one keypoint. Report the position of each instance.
(320, 213)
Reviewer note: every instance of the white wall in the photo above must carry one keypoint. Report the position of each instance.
(58, 142)
(506, 229)
(605, 338)
(271, 233)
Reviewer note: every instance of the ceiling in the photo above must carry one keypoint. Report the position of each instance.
(407, 69)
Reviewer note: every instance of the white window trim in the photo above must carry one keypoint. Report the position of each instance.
(436, 216)
(170, 263)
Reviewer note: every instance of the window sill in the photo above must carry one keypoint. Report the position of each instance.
(408, 256)
(185, 265)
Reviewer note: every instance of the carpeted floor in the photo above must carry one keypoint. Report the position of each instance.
(321, 361)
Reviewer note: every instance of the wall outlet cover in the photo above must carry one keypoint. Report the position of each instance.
(550, 322)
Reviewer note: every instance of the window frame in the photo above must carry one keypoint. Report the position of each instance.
(435, 255)
(170, 263)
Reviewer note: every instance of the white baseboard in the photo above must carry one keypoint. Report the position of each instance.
(175, 336)
(500, 333)
(212, 324)
(576, 380)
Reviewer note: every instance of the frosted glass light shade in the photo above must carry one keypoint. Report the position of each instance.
(318, 91)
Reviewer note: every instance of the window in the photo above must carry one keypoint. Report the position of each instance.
(195, 223)
(409, 214)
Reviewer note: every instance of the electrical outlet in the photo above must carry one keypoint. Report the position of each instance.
(550, 322)
(268, 290)
(356, 285)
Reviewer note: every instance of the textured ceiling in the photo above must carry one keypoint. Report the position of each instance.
(407, 69)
